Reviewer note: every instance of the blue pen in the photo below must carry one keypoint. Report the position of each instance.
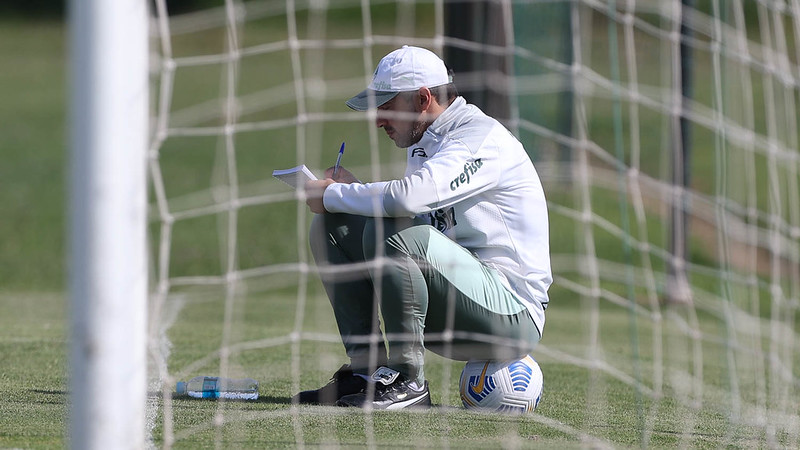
(338, 160)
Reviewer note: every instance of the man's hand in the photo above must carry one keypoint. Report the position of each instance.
(314, 190)
(343, 176)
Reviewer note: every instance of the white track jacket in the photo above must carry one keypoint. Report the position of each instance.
(474, 181)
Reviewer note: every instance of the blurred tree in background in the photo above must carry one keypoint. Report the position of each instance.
(57, 8)
(32, 8)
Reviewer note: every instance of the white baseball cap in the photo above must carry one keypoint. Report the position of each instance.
(405, 69)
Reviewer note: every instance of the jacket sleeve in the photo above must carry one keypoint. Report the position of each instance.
(453, 174)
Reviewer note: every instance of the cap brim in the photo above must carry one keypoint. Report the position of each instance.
(361, 101)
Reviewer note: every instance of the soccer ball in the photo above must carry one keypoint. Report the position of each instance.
(513, 386)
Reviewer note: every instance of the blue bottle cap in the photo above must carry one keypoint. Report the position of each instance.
(180, 387)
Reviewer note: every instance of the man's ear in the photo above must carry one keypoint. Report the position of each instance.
(425, 98)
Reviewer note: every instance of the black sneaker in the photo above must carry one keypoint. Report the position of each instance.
(343, 382)
(392, 391)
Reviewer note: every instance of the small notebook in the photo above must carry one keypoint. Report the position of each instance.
(295, 177)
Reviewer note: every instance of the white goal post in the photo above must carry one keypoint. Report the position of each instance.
(108, 279)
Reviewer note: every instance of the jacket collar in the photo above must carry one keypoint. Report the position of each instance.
(449, 118)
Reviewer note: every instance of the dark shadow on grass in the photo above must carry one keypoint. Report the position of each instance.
(53, 397)
(46, 392)
(273, 399)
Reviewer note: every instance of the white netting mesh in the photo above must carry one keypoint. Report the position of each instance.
(648, 340)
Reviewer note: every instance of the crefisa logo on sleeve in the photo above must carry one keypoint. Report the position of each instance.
(463, 178)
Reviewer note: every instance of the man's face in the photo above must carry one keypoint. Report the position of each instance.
(401, 119)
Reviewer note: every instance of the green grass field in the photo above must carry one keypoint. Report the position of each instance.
(580, 407)
(628, 373)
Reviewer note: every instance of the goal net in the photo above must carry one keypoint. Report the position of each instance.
(665, 134)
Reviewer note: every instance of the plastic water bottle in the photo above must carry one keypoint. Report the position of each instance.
(216, 387)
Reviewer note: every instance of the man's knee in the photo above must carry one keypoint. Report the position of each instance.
(336, 233)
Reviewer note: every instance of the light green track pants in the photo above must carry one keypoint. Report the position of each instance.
(429, 291)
